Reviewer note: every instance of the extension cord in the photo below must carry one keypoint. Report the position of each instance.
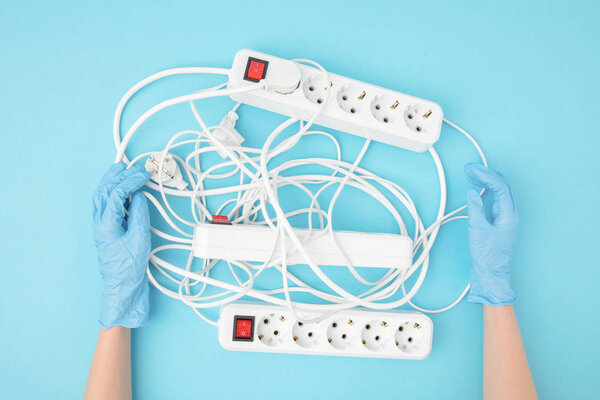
(258, 327)
(259, 243)
(252, 197)
(352, 106)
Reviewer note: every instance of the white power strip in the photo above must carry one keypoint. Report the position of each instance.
(263, 327)
(310, 94)
(260, 243)
(298, 90)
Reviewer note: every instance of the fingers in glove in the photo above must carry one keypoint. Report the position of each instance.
(504, 209)
(477, 216)
(112, 173)
(115, 175)
(115, 208)
(139, 218)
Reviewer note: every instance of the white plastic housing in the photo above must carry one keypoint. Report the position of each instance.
(354, 107)
(256, 243)
(353, 333)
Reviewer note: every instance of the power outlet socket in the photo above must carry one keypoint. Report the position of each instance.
(354, 333)
(354, 107)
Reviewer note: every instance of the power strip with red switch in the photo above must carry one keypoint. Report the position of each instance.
(252, 231)
(259, 327)
(298, 90)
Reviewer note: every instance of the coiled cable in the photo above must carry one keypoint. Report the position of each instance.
(259, 179)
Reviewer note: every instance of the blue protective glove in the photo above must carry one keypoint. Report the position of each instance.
(123, 246)
(492, 237)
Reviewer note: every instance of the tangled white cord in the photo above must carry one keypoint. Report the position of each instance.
(259, 182)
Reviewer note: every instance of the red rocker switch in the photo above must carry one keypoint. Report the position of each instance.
(243, 328)
(255, 69)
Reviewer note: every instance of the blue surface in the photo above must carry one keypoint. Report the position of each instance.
(522, 76)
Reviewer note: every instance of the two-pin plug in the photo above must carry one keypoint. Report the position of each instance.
(163, 168)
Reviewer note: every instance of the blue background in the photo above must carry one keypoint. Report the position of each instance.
(521, 76)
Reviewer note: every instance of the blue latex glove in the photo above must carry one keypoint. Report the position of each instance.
(123, 246)
(492, 237)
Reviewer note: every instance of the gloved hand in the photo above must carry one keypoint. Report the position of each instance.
(492, 237)
(123, 246)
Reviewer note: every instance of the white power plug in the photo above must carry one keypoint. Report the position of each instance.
(226, 132)
(171, 174)
(284, 76)
(260, 327)
(299, 91)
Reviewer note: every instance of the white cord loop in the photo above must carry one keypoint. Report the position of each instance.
(245, 187)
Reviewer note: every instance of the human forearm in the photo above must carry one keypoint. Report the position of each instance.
(492, 236)
(110, 373)
(506, 373)
(123, 242)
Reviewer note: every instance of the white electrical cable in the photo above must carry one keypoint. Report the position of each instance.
(259, 178)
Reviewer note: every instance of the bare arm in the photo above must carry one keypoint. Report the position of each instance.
(110, 373)
(506, 373)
